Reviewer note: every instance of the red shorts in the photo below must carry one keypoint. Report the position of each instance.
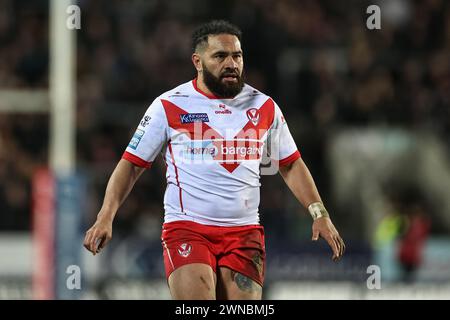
(239, 248)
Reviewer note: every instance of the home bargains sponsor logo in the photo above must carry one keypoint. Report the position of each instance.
(194, 117)
(222, 150)
(136, 139)
(199, 150)
(239, 150)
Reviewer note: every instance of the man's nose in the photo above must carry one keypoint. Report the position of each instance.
(231, 63)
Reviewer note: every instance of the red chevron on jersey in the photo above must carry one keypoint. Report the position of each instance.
(229, 153)
(193, 130)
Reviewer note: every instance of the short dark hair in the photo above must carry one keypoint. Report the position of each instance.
(213, 27)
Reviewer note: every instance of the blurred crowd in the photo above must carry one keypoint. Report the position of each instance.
(317, 59)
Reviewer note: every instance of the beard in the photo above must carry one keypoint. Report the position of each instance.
(223, 89)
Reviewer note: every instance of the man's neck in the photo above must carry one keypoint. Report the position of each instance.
(202, 86)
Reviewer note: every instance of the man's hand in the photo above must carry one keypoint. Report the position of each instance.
(323, 227)
(98, 235)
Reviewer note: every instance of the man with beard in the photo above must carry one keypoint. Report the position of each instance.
(214, 131)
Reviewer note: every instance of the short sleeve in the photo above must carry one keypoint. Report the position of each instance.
(149, 137)
(283, 146)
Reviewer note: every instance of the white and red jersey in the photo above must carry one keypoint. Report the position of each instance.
(213, 149)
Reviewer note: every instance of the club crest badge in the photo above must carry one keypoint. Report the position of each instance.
(253, 115)
(185, 250)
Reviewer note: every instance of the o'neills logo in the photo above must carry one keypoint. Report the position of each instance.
(223, 109)
(253, 115)
(184, 250)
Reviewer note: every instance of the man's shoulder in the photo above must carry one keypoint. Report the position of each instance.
(184, 90)
(248, 90)
(254, 94)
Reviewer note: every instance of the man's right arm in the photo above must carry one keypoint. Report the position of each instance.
(145, 145)
(119, 186)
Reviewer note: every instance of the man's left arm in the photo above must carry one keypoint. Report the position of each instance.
(299, 180)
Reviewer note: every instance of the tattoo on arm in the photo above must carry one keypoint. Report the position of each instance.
(245, 283)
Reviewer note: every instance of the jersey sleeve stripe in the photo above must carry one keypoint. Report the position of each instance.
(290, 159)
(136, 160)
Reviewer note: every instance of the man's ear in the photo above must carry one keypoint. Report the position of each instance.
(197, 61)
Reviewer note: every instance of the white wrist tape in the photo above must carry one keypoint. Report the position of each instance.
(317, 210)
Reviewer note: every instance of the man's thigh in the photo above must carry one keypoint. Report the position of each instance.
(232, 285)
(189, 262)
(240, 271)
(194, 281)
